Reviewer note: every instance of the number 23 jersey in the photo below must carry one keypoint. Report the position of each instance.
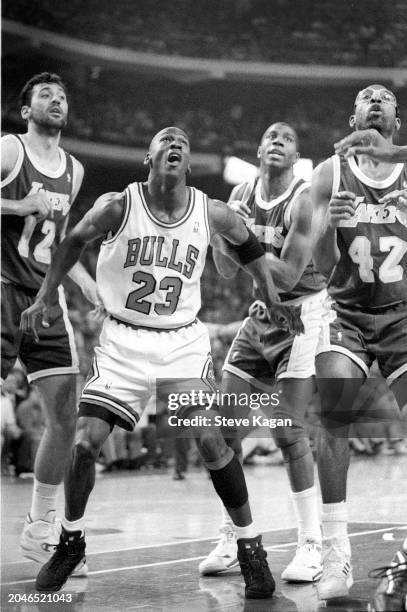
(26, 245)
(372, 270)
(148, 273)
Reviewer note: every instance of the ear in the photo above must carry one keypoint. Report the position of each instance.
(259, 152)
(297, 156)
(352, 121)
(25, 112)
(189, 171)
(147, 160)
(398, 124)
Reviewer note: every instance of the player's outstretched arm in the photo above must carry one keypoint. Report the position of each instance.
(223, 221)
(328, 211)
(104, 217)
(373, 144)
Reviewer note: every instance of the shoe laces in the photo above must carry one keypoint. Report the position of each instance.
(254, 564)
(333, 560)
(305, 550)
(227, 537)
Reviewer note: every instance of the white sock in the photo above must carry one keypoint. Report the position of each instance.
(78, 525)
(405, 545)
(246, 532)
(44, 501)
(306, 511)
(226, 520)
(335, 523)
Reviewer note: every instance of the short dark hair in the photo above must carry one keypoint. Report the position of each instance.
(42, 77)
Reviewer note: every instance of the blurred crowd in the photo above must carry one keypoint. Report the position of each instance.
(314, 31)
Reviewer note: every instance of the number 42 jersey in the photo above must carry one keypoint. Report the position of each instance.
(148, 273)
(372, 270)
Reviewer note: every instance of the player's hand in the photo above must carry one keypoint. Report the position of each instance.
(36, 204)
(286, 317)
(368, 142)
(34, 316)
(341, 207)
(240, 208)
(398, 197)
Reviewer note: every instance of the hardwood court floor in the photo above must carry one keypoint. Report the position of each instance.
(146, 535)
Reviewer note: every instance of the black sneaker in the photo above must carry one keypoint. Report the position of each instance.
(256, 572)
(69, 552)
(391, 594)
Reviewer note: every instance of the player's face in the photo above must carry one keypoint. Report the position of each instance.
(375, 107)
(48, 107)
(170, 153)
(278, 146)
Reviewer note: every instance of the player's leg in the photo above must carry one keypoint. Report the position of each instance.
(91, 434)
(295, 394)
(339, 379)
(391, 592)
(224, 556)
(229, 482)
(41, 531)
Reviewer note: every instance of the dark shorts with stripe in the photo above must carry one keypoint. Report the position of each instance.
(368, 335)
(55, 352)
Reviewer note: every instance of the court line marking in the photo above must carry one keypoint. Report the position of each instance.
(214, 538)
(185, 560)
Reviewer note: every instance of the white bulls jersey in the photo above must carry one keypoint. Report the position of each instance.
(148, 273)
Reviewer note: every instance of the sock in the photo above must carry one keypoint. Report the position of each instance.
(306, 512)
(78, 525)
(246, 532)
(226, 520)
(405, 545)
(335, 523)
(44, 501)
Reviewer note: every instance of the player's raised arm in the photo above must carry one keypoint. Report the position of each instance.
(298, 245)
(371, 143)
(225, 258)
(328, 210)
(251, 255)
(105, 216)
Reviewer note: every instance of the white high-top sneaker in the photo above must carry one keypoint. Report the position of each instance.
(306, 565)
(223, 556)
(336, 578)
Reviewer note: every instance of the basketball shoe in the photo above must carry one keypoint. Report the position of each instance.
(68, 554)
(336, 578)
(256, 572)
(223, 556)
(391, 593)
(306, 565)
(39, 540)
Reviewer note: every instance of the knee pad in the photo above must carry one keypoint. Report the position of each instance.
(230, 484)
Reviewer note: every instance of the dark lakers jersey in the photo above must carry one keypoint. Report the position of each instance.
(26, 245)
(270, 222)
(372, 270)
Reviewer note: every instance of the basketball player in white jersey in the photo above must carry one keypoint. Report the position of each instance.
(148, 276)
(362, 246)
(277, 207)
(40, 182)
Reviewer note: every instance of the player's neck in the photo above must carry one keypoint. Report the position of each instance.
(167, 202)
(43, 144)
(374, 169)
(274, 185)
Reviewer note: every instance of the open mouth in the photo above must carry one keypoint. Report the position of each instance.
(174, 157)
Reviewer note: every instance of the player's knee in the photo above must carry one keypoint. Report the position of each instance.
(212, 445)
(294, 450)
(86, 451)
